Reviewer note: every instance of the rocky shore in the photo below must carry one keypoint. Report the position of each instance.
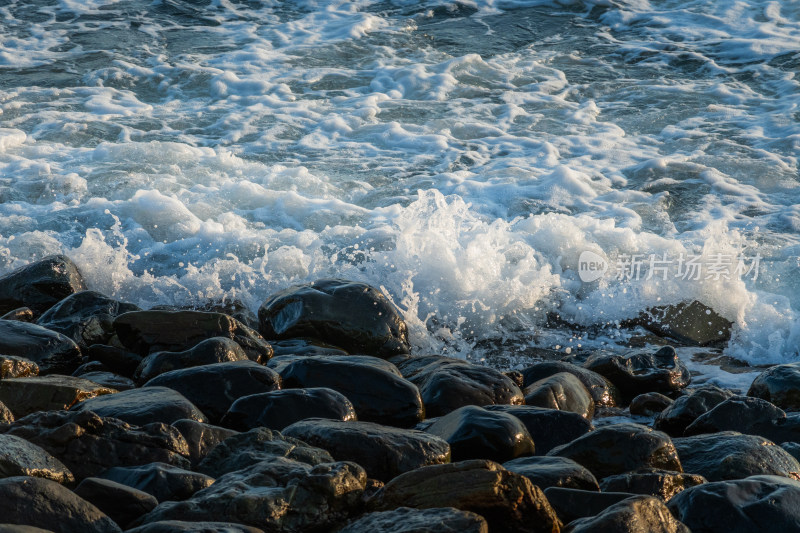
(314, 417)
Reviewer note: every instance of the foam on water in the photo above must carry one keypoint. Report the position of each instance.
(460, 155)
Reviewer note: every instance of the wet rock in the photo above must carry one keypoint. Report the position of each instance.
(281, 408)
(235, 308)
(475, 433)
(110, 380)
(561, 391)
(793, 448)
(117, 360)
(52, 352)
(86, 317)
(780, 385)
(6, 416)
(620, 448)
(11, 528)
(162, 481)
(548, 427)
(447, 384)
(279, 363)
(178, 526)
(19, 457)
(201, 438)
(22, 314)
(214, 388)
(276, 495)
(731, 455)
(89, 444)
(639, 514)
(243, 450)
(572, 504)
(304, 347)
(40, 285)
(603, 392)
(145, 332)
(637, 373)
(207, 352)
(547, 472)
(659, 483)
(649, 404)
(47, 393)
(376, 394)
(752, 505)
(384, 452)
(143, 406)
(12, 366)
(693, 323)
(352, 315)
(508, 501)
(676, 418)
(752, 416)
(408, 520)
(121, 503)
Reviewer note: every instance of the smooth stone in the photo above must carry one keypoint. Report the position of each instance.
(660, 483)
(408, 520)
(677, 417)
(19, 457)
(162, 481)
(214, 388)
(12, 366)
(12, 528)
(110, 380)
(178, 526)
(384, 452)
(603, 392)
(447, 384)
(731, 455)
(649, 404)
(145, 332)
(235, 308)
(572, 504)
(508, 501)
(143, 406)
(279, 363)
(640, 372)
(620, 448)
(207, 352)
(475, 433)
(200, 437)
(561, 391)
(54, 505)
(47, 393)
(639, 514)
(86, 317)
(548, 427)
(793, 448)
(752, 416)
(121, 503)
(281, 408)
(352, 315)
(89, 444)
(689, 323)
(52, 352)
(22, 314)
(547, 472)
(116, 359)
(779, 385)
(40, 285)
(304, 347)
(243, 450)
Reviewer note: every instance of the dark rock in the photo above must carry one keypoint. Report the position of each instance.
(276, 495)
(279, 364)
(235, 308)
(22, 314)
(639, 514)
(47, 393)
(384, 452)
(780, 385)
(144, 332)
(508, 501)
(620, 448)
(793, 448)
(6, 416)
(561, 391)
(660, 483)
(12, 366)
(304, 347)
(117, 360)
(475, 433)
(281, 408)
(162, 481)
(207, 352)
(214, 388)
(89, 366)
(11, 528)
(86, 317)
(548, 427)
(731, 455)
(110, 380)
(572, 504)
(408, 520)
(40, 285)
(603, 392)
(88, 444)
(178, 526)
(376, 394)
(143, 406)
(352, 315)
(649, 404)
(676, 418)
(752, 416)
(447, 384)
(243, 450)
(547, 472)
(19, 457)
(637, 373)
(693, 323)
(121, 503)
(201, 438)
(516, 377)
(52, 352)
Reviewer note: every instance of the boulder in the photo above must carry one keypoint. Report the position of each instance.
(86, 317)
(143, 406)
(304, 347)
(40, 285)
(548, 427)
(603, 392)
(780, 385)
(649, 404)
(281, 408)
(162, 481)
(117, 360)
(121, 503)
(752, 416)
(562, 391)
(178, 526)
(200, 437)
(547, 472)
(52, 352)
(408, 520)
(639, 514)
(109, 380)
(384, 452)
(793, 448)
(640, 372)
(47, 393)
(348, 314)
(573, 504)
(19, 457)
(620, 448)
(660, 483)
(676, 417)
(690, 323)
(12, 366)
(23, 314)
(207, 352)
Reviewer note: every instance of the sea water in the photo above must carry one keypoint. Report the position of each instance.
(461, 155)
